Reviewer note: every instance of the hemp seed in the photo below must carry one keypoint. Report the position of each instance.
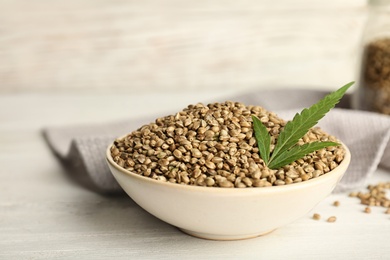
(214, 146)
(316, 216)
(376, 195)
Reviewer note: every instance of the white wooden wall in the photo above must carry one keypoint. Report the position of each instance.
(175, 45)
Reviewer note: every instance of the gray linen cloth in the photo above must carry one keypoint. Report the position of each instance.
(82, 148)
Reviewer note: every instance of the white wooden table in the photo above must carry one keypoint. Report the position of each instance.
(45, 215)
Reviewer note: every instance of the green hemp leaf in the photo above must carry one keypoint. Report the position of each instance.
(286, 149)
(263, 139)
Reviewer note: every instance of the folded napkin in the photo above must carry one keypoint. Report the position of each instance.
(82, 148)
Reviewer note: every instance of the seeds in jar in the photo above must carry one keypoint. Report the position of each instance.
(214, 146)
(374, 92)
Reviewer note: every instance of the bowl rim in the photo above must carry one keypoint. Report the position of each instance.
(323, 178)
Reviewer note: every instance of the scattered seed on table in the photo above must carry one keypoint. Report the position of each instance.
(316, 216)
(367, 210)
(375, 196)
(387, 211)
(336, 203)
(331, 219)
(353, 194)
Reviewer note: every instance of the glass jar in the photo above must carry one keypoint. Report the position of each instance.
(373, 89)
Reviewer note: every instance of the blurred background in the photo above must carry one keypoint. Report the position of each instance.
(173, 46)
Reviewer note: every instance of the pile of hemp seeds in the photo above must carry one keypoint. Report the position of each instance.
(214, 146)
(374, 197)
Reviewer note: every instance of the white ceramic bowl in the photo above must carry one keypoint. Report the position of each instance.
(227, 213)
